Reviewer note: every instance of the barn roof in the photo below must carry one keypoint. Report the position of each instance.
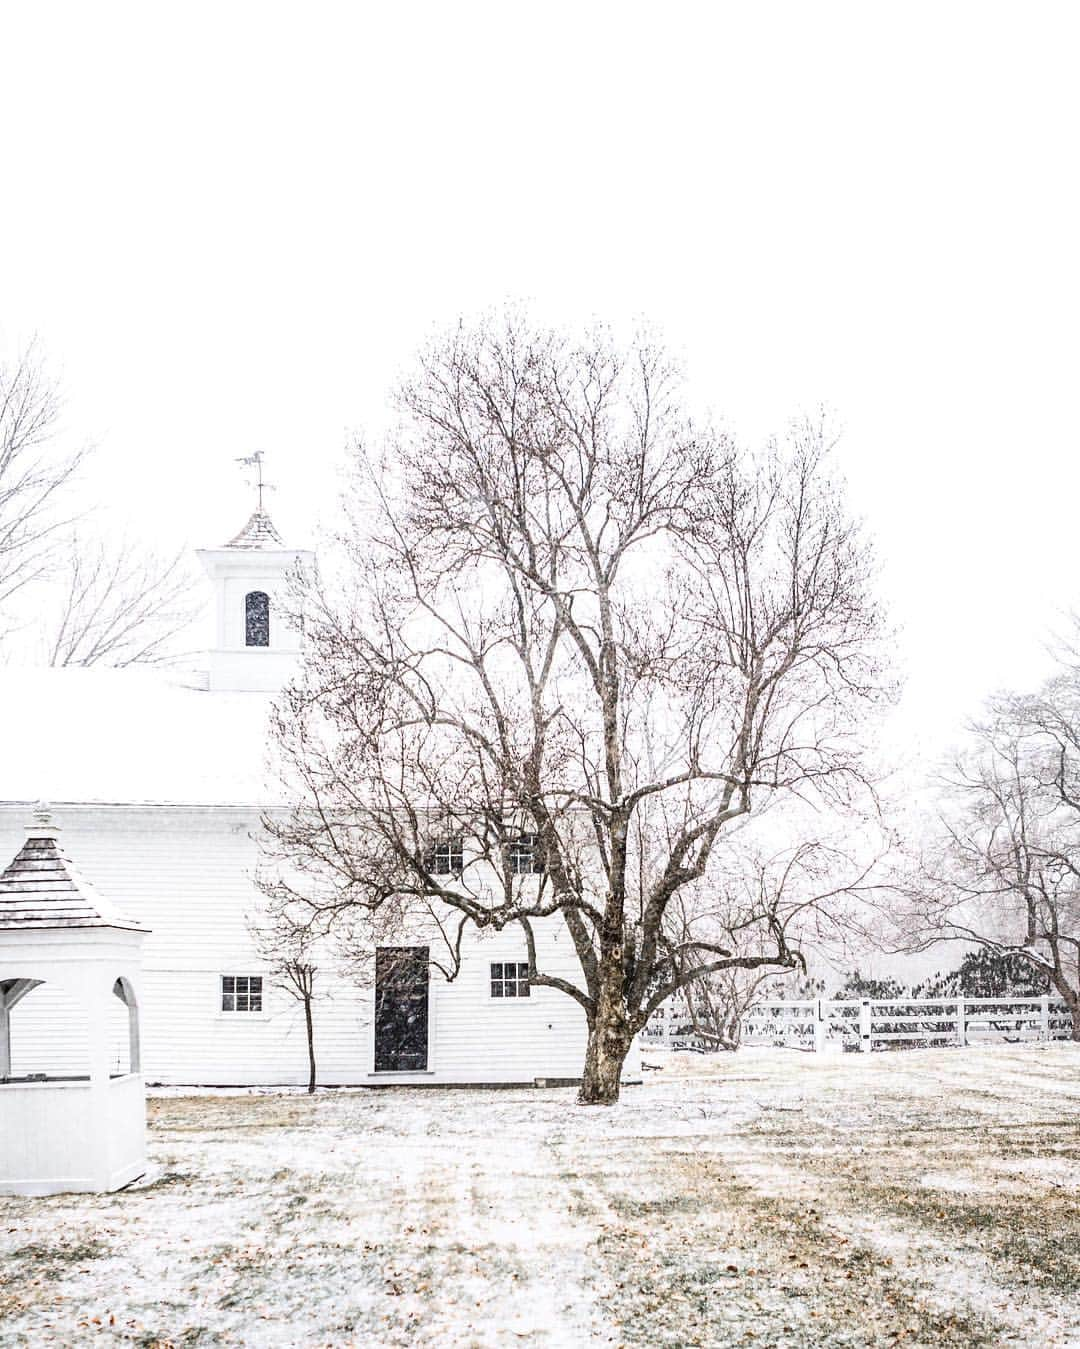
(134, 736)
(41, 889)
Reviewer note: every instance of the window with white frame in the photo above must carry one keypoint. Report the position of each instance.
(241, 992)
(509, 979)
(524, 855)
(446, 857)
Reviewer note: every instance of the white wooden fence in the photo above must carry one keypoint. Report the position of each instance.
(874, 1023)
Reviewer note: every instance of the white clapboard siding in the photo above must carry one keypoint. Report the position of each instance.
(478, 1038)
(48, 1035)
(187, 874)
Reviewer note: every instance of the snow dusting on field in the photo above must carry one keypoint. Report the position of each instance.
(927, 1197)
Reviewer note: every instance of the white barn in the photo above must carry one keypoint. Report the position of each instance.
(156, 782)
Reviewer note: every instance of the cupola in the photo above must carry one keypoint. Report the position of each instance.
(256, 646)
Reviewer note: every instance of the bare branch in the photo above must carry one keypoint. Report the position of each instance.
(34, 473)
(120, 605)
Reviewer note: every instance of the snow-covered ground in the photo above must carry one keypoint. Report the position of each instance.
(927, 1197)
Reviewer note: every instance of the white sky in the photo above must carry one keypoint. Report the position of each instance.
(231, 225)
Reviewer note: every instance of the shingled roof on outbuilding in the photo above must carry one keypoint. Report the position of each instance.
(41, 889)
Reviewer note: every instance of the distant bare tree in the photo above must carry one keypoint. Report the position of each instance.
(33, 473)
(715, 1004)
(298, 976)
(811, 892)
(286, 946)
(120, 605)
(1005, 869)
(574, 602)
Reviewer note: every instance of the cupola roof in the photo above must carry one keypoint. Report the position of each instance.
(259, 532)
(41, 889)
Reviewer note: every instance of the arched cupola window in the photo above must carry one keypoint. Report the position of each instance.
(257, 618)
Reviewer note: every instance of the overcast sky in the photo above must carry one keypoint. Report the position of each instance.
(230, 226)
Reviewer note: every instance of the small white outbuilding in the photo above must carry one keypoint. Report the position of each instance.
(83, 1130)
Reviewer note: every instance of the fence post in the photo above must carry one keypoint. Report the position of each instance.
(864, 1026)
(1044, 1017)
(819, 1029)
(961, 1022)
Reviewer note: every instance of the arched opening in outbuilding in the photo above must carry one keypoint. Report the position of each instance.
(43, 1033)
(124, 1031)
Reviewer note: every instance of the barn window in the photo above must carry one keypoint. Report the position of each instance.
(257, 618)
(509, 979)
(241, 992)
(524, 855)
(446, 857)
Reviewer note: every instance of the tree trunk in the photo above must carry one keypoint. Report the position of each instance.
(1072, 1002)
(310, 1046)
(609, 1040)
(1071, 998)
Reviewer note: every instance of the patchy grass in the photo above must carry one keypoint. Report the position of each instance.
(41, 1261)
(765, 1198)
(734, 1265)
(1037, 1242)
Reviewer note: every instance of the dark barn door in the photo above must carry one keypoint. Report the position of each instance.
(401, 1008)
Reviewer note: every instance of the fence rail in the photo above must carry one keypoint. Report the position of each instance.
(867, 1024)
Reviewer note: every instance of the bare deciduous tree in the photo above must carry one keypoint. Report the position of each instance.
(33, 473)
(1005, 871)
(286, 945)
(811, 892)
(120, 605)
(574, 604)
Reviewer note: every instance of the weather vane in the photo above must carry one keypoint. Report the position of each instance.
(255, 460)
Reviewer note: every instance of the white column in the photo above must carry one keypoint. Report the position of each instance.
(98, 1123)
